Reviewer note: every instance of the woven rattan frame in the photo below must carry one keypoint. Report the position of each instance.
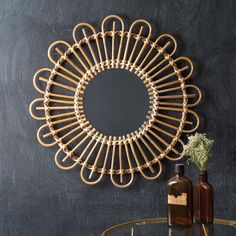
(164, 77)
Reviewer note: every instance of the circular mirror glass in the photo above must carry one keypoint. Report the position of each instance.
(116, 102)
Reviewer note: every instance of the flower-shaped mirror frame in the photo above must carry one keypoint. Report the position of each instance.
(170, 101)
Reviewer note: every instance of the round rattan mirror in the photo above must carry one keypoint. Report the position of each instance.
(70, 123)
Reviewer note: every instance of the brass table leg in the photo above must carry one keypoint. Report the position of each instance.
(133, 230)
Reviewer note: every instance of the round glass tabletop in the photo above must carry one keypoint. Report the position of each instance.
(159, 227)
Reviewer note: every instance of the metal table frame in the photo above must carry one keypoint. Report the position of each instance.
(160, 220)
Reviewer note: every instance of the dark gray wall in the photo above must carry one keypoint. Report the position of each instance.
(37, 198)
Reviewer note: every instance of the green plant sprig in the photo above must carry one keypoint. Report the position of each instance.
(198, 150)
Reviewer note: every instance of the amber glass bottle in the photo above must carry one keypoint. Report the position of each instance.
(203, 200)
(179, 199)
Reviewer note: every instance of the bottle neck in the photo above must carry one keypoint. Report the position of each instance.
(179, 174)
(203, 176)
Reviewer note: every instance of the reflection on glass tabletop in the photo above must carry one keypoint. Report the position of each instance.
(159, 227)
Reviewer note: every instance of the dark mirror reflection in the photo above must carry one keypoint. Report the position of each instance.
(116, 102)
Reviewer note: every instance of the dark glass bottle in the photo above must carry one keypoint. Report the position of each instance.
(179, 199)
(203, 230)
(203, 200)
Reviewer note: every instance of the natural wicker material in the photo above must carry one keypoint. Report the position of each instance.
(64, 85)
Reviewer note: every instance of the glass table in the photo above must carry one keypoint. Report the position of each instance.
(159, 227)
